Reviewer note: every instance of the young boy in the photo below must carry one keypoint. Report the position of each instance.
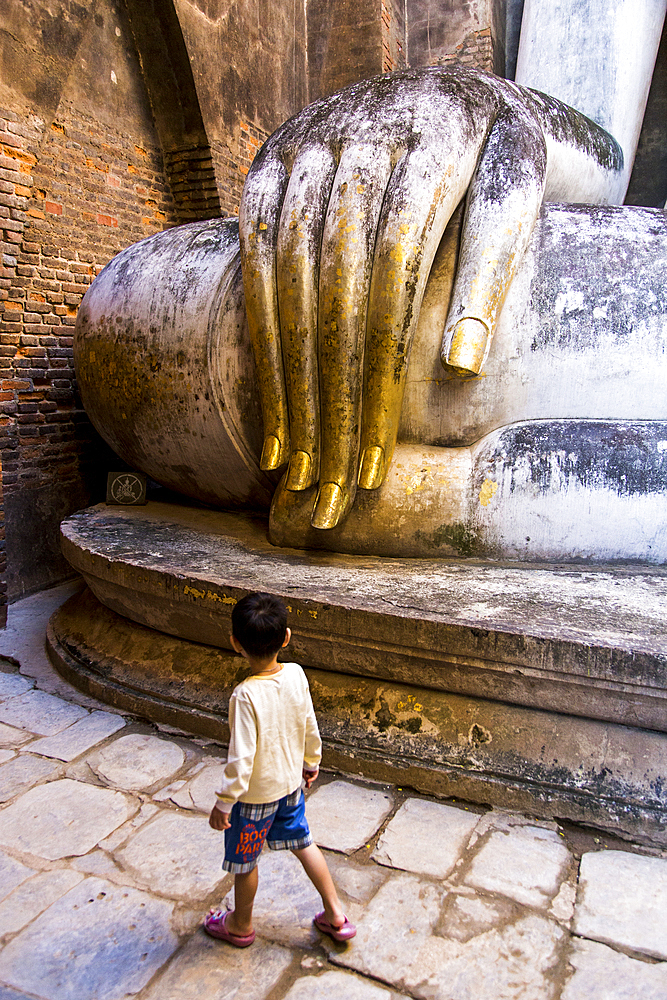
(274, 743)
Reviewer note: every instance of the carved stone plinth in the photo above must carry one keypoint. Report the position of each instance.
(540, 688)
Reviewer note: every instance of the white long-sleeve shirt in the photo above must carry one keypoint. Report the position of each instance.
(273, 735)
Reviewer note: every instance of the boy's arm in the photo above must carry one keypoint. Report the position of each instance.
(240, 758)
(312, 754)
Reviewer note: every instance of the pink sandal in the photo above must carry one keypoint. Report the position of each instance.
(214, 924)
(342, 933)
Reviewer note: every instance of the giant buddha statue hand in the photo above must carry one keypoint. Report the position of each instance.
(342, 213)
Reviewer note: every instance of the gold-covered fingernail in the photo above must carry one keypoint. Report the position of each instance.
(371, 471)
(329, 506)
(298, 474)
(270, 453)
(469, 347)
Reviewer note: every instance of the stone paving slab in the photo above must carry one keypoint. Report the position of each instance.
(623, 901)
(136, 762)
(6, 755)
(425, 837)
(337, 986)
(80, 737)
(176, 855)
(97, 942)
(286, 901)
(23, 772)
(12, 737)
(213, 970)
(199, 792)
(344, 817)
(396, 943)
(12, 685)
(525, 863)
(12, 873)
(34, 896)
(40, 713)
(62, 818)
(604, 974)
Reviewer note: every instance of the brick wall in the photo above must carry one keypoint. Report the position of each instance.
(393, 35)
(72, 194)
(232, 162)
(475, 50)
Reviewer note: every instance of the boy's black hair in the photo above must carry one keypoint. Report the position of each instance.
(259, 623)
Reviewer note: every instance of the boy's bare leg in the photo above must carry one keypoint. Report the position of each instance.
(316, 869)
(239, 922)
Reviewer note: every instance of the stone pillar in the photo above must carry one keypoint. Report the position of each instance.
(596, 55)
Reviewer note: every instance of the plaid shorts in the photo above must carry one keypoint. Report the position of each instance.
(282, 824)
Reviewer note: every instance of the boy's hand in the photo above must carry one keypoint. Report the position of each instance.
(310, 775)
(218, 819)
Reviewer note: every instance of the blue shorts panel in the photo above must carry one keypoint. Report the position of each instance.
(286, 828)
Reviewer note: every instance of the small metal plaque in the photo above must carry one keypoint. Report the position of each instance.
(128, 488)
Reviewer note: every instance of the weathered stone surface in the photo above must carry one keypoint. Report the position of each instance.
(6, 755)
(12, 873)
(23, 772)
(212, 970)
(463, 742)
(467, 915)
(176, 855)
(525, 863)
(336, 986)
(12, 685)
(343, 816)
(98, 942)
(33, 897)
(396, 943)
(286, 901)
(136, 761)
(601, 972)
(622, 901)
(80, 737)
(40, 713)
(357, 882)
(199, 792)
(11, 737)
(425, 837)
(62, 818)
(124, 832)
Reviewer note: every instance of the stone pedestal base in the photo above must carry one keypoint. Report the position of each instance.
(539, 689)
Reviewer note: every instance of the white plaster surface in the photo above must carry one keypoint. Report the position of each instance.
(23, 772)
(176, 855)
(97, 942)
(344, 817)
(40, 713)
(600, 973)
(623, 901)
(425, 837)
(62, 818)
(211, 970)
(83, 735)
(137, 761)
(525, 863)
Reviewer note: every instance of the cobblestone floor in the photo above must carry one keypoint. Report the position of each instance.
(107, 865)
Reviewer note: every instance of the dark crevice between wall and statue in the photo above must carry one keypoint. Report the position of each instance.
(173, 96)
